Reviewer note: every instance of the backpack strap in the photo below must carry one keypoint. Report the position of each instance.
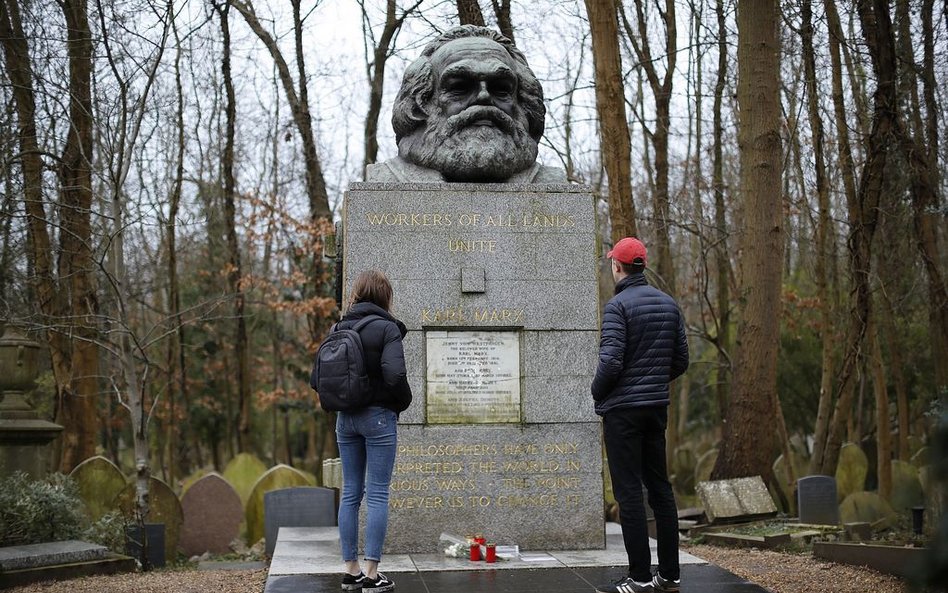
(365, 321)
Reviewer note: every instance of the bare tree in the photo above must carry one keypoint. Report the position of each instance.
(469, 13)
(375, 70)
(748, 429)
(610, 110)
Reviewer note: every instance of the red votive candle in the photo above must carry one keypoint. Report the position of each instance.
(491, 553)
(475, 551)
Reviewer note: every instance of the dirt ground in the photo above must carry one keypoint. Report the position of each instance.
(776, 571)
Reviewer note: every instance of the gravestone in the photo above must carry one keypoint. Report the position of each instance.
(739, 499)
(851, 470)
(185, 483)
(816, 500)
(100, 481)
(163, 507)
(780, 472)
(242, 472)
(705, 465)
(866, 507)
(49, 554)
(306, 506)
(212, 516)
(276, 478)
(906, 486)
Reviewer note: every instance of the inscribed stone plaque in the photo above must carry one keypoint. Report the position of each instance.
(816, 500)
(538, 486)
(473, 377)
(275, 478)
(212, 516)
(297, 507)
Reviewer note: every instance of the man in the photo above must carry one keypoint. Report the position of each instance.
(469, 109)
(643, 348)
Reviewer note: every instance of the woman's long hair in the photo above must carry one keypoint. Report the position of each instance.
(372, 286)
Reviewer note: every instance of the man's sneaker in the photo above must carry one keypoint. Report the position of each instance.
(626, 585)
(380, 584)
(665, 585)
(353, 582)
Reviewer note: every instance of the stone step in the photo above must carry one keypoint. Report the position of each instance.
(47, 554)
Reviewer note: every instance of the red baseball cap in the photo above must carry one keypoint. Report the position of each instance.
(629, 251)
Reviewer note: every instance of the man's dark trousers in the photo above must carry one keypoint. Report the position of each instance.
(635, 445)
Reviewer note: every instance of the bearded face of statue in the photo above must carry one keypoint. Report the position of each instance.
(476, 129)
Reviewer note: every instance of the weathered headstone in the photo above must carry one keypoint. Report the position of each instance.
(780, 472)
(163, 507)
(212, 516)
(242, 472)
(816, 500)
(744, 499)
(866, 507)
(705, 466)
(100, 481)
(906, 486)
(276, 478)
(307, 506)
(851, 470)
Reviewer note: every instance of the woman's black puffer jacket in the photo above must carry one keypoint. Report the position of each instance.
(384, 356)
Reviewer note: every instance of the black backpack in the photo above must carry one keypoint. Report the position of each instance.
(339, 375)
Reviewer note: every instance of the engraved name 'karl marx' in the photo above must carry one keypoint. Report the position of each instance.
(469, 109)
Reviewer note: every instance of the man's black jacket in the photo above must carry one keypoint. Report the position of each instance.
(643, 347)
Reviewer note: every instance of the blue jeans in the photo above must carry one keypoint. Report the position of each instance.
(366, 442)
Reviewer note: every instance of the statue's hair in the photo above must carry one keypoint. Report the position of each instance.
(410, 110)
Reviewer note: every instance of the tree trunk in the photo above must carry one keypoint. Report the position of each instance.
(721, 254)
(77, 406)
(748, 432)
(883, 430)
(502, 12)
(469, 13)
(863, 215)
(234, 272)
(376, 73)
(616, 147)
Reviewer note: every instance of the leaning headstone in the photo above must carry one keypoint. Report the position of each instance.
(866, 507)
(851, 470)
(684, 469)
(906, 486)
(740, 499)
(780, 471)
(816, 500)
(99, 481)
(705, 465)
(242, 472)
(276, 478)
(307, 506)
(163, 507)
(212, 516)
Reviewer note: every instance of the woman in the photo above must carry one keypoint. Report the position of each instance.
(367, 436)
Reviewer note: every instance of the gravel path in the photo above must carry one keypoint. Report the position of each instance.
(778, 572)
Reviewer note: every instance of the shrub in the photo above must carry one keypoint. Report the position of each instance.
(36, 511)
